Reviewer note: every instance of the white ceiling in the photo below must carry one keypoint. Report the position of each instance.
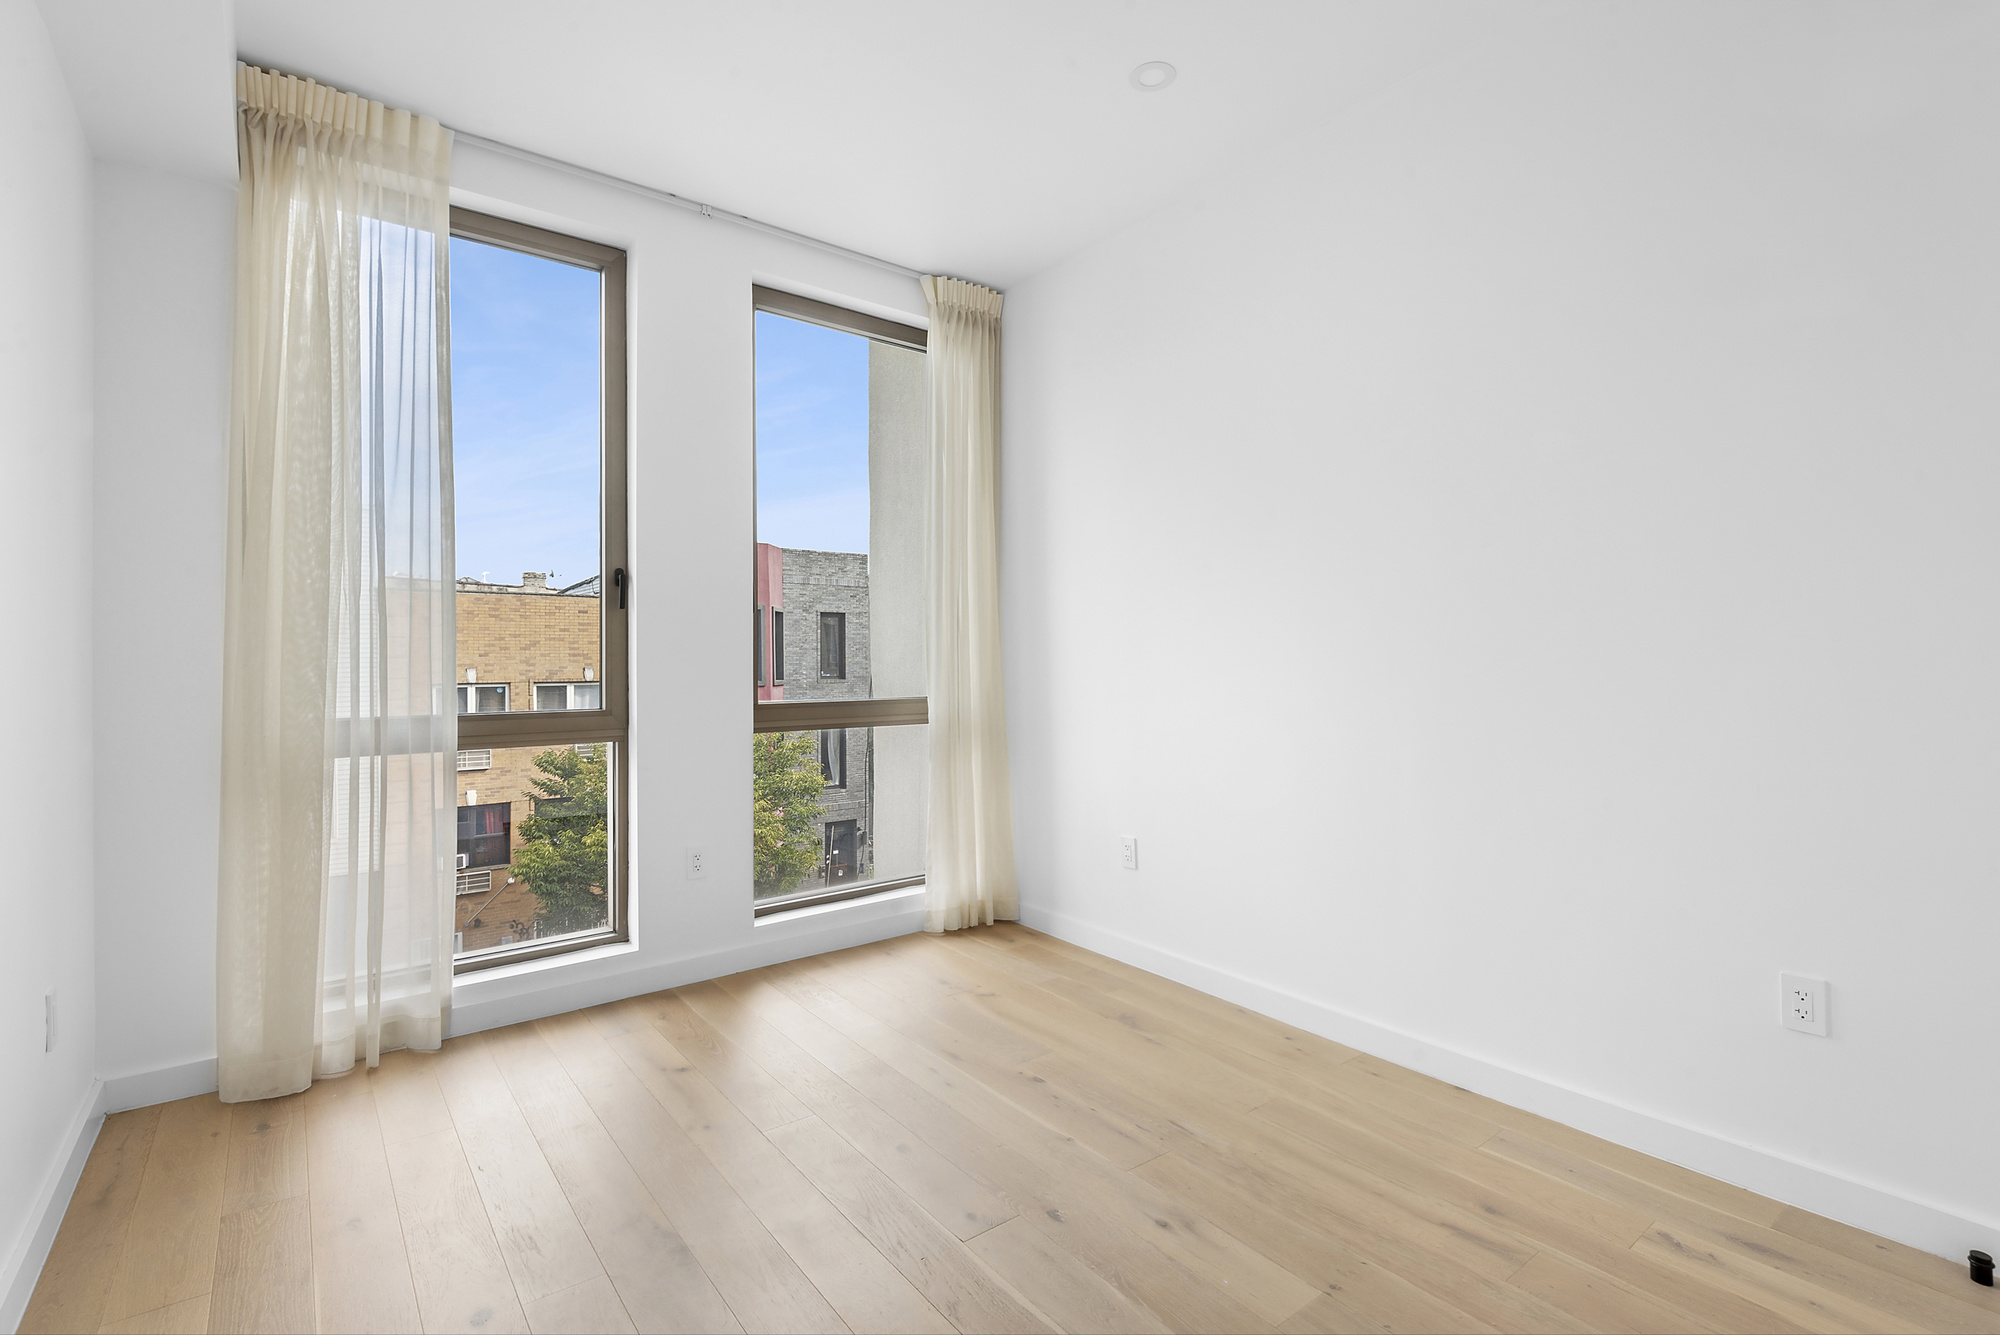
(986, 140)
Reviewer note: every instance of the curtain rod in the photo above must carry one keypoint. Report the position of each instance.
(666, 197)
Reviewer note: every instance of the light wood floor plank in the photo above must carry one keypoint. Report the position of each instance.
(90, 1244)
(544, 1246)
(863, 1286)
(590, 1308)
(988, 1130)
(1057, 1283)
(1358, 1284)
(930, 1258)
(266, 1158)
(1934, 1272)
(360, 1268)
(1602, 1302)
(658, 1279)
(462, 1283)
(408, 1100)
(941, 1187)
(756, 1093)
(1796, 1299)
(1048, 1100)
(1261, 1284)
(187, 1317)
(263, 1269)
(756, 1276)
(1136, 1240)
(180, 1205)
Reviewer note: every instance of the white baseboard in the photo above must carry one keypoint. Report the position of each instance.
(143, 1089)
(24, 1267)
(1915, 1223)
(811, 933)
(790, 937)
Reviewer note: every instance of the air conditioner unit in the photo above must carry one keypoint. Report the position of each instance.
(464, 861)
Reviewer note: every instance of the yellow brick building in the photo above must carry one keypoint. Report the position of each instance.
(520, 646)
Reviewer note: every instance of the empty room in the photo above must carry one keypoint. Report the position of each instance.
(1372, 701)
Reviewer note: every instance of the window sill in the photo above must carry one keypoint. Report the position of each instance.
(886, 898)
(528, 968)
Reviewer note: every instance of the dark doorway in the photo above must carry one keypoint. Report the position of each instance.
(843, 851)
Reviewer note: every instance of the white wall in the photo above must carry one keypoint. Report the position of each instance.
(45, 546)
(1522, 561)
(164, 259)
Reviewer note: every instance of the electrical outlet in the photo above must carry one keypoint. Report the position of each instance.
(1129, 851)
(49, 1021)
(697, 864)
(1802, 1003)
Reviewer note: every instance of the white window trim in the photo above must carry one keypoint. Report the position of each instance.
(535, 695)
(506, 695)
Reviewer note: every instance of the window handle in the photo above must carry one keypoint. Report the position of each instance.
(618, 581)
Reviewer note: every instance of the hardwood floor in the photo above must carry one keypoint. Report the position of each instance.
(988, 1131)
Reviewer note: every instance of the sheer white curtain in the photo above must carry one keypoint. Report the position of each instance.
(969, 875)
(339, 725)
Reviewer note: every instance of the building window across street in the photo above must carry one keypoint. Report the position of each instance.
(483, 834)
(482, 699)
(833, 644)
(569, 695)
(833, 757)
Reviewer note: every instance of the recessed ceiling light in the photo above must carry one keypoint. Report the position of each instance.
(1152, 76)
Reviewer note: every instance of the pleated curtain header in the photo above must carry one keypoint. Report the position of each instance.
(957, 294)
(420, 140)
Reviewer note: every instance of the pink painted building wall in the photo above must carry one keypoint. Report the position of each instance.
(770, 614)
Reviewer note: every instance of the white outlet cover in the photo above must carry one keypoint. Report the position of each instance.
(1802, 1003)
(697, 864)
(1128, 845)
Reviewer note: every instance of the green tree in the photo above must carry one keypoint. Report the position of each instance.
(788, 783)
(565, 845)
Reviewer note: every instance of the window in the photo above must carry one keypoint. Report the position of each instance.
(841, 764)
(569, 695)
(833, 644)
(538, 452)
(485, 834)
(482, 699)
(843, 851)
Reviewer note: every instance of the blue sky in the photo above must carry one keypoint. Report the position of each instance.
(812, 436)
(524, 386)
(524, 414)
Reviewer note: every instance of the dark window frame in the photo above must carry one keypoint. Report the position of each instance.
(838, 622)
(545, 729)
(833, 756)
(468, 814)
(805, 715)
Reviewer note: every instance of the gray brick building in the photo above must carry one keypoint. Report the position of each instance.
(814, 645)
